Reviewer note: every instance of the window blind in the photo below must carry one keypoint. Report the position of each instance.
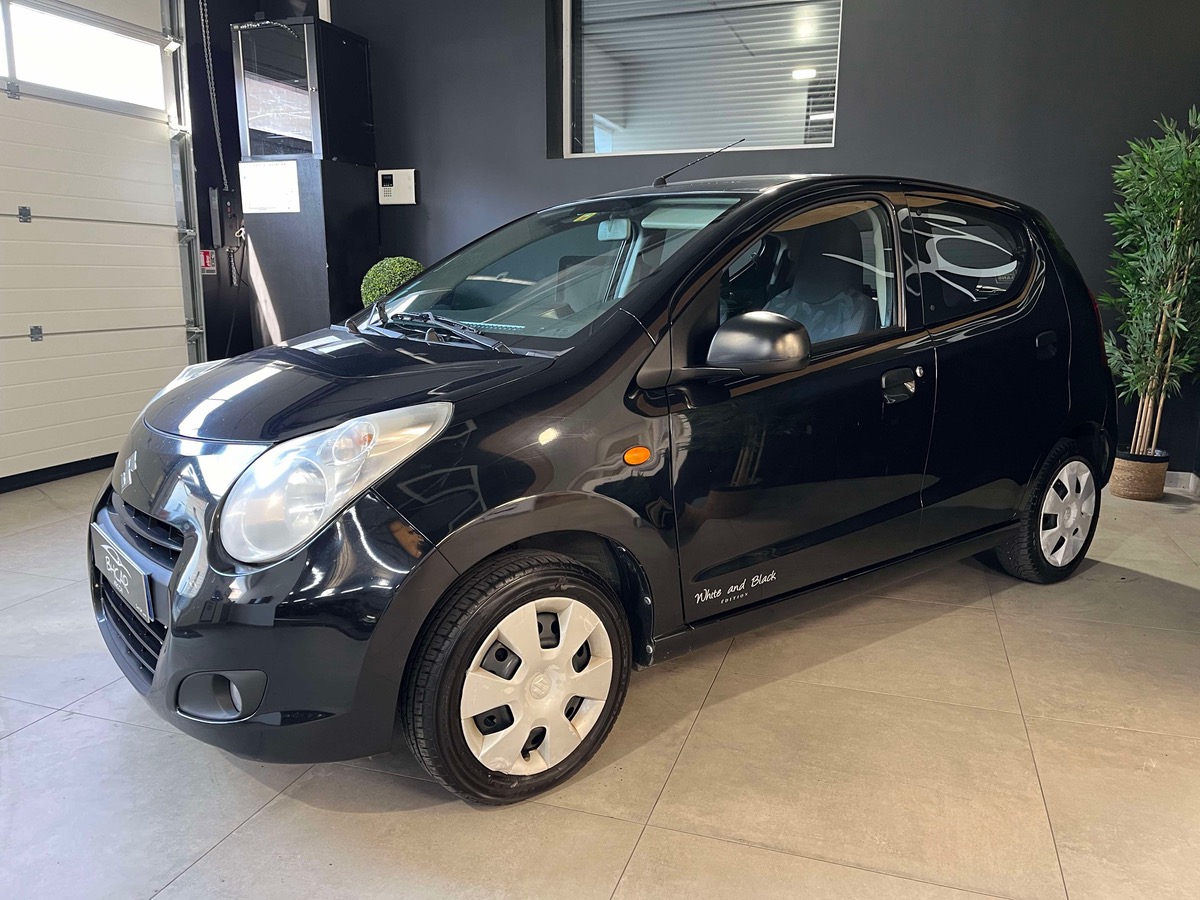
(684, 75)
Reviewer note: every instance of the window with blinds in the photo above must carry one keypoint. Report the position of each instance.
(692, 75)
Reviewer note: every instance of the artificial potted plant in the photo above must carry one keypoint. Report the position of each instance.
(1156, 277)
(387, 275)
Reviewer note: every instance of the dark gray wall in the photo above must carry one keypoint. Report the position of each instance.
(1026, 98)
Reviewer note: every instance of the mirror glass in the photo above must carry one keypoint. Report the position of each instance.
(613, 230)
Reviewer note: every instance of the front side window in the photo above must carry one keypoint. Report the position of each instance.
(971, 258)
(831, 268)
(697, 74)
(542, 281)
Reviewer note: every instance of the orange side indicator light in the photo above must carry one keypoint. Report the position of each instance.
(636, 455)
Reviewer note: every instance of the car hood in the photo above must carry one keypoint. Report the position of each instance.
(326, 377)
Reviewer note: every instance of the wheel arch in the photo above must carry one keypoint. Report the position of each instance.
(1096, 444)
(628, 552)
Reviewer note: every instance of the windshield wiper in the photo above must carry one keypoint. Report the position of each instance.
(428, 321)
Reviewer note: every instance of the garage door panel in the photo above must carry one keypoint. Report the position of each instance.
(86, 208)
(91, 299)
(98, 268)
(66, 125)
(56, 456)
(77, 410)
(79, 197)
(61, 161)
(66, 253)
(20, 277)
(65, 390)
(101, 234)
(84, 369)
(65, 443)
(18, 137)
(86, 353)
(54, 322)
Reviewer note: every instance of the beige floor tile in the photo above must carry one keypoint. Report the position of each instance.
(709, 657)
(929, 650)
(15, 715)
(120, 702)
(1121, 675)
(1108, 592)
(930, 791)
(672, 864)
(17, 587)
(962, 584)
(1135, 540)
(625, 776)
(76, 494)
(1125, 806)
(347, 832)
(57, 550)
(29, 508)
(101, 809)
(51, 651)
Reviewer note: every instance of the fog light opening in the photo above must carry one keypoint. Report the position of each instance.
(221, 696)
(228, 697)
(235, 697)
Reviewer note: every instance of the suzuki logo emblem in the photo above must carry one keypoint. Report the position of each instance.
(539, 686)
(130, 468)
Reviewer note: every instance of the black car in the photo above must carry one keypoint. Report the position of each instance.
(592, 440)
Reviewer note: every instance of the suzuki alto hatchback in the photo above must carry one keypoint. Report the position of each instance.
(592, 440)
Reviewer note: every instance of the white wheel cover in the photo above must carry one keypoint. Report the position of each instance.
(1067, 512)
(540, 689)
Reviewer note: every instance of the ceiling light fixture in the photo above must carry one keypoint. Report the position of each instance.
(804, 74)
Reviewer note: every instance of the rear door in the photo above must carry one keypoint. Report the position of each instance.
(998, 322)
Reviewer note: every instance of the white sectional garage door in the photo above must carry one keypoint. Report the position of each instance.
(97, 267)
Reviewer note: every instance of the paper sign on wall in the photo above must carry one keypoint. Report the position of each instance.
(270, 187)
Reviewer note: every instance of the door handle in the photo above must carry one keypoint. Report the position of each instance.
(1047, 345)
(899, 385)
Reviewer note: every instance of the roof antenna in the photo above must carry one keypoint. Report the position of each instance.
(661, 180)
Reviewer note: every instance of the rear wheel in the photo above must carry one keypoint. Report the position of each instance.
(518, 678)
(1057, 528)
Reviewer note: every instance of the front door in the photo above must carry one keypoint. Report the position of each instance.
(786, 481)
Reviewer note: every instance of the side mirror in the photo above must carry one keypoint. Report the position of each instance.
(760, 343)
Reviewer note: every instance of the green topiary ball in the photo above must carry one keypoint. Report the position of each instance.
(387, 275)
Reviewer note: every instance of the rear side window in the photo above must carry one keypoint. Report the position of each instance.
(971, 258)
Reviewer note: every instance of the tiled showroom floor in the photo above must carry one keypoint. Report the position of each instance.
(965, 733)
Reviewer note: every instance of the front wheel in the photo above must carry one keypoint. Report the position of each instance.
(1057, 528)
(518, 677)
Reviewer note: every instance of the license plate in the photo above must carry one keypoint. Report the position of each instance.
(122, 574)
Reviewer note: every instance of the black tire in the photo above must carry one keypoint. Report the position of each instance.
(1022, 555)
(430, 697)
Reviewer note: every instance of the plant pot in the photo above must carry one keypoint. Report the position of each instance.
(731, 502)
(1139, 476)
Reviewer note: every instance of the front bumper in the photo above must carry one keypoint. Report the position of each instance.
(327, 626)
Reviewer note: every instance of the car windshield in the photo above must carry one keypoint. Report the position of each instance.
(542, 281)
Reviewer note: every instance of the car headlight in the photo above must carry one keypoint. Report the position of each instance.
(294, 489)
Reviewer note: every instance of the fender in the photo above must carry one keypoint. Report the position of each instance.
(652, 551)
(652, 548)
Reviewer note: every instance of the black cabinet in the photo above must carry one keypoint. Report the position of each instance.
(307, 133)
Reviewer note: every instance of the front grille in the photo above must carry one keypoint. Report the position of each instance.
(163, 543)
(142, 641)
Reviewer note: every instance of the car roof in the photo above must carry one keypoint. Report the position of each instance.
(758, 184)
